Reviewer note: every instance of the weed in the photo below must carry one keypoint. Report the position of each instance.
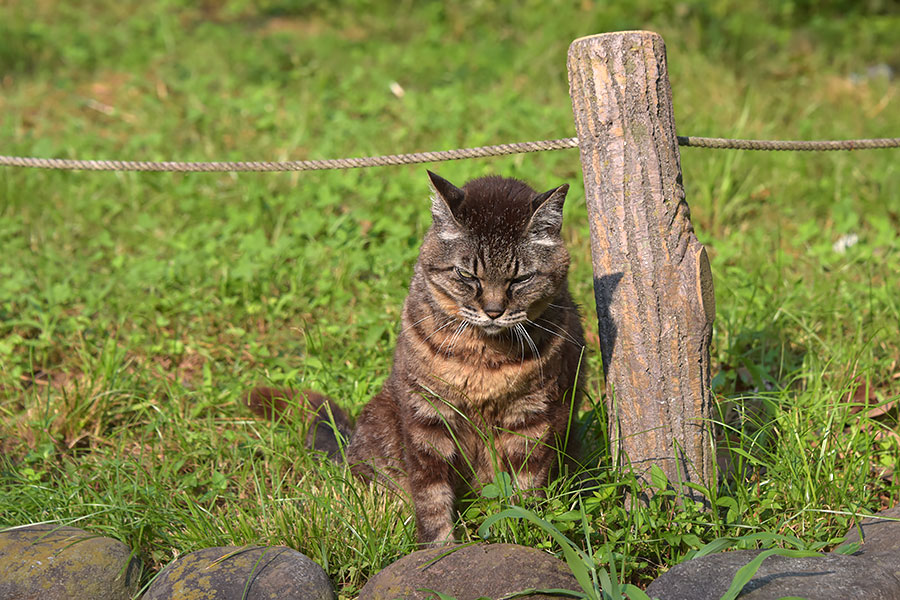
(137, 309)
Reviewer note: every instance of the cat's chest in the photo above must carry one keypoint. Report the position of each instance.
(476, 375)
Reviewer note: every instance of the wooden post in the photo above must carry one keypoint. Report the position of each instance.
(652, 282)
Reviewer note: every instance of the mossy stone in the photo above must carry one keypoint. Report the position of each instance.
(824, 577)
(242, 572)
(470, 572)
(50, 562)
(881, 539)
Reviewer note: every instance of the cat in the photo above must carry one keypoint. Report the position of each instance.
(485, 375)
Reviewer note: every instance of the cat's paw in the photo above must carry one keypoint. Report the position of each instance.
(439, 538)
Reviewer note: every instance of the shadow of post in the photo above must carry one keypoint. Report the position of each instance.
(604, 288)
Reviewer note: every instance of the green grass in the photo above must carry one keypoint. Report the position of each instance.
(135, 309)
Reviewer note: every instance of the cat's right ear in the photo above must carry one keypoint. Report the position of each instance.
(546, 222)
(445, 199)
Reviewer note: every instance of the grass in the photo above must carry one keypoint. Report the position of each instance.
(136, 309)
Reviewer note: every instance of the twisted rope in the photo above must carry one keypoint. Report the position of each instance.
(421, 157)
(292, 165)
(807, 146)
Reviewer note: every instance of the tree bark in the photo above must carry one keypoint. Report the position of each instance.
(652, 281)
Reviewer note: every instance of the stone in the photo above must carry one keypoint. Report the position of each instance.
(814, 578)
(51, 562)
(470, 572)
(242, 572)
(881, 540)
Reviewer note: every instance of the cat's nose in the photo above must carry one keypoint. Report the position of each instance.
(493, 311)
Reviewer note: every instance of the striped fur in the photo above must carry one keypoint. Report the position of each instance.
(485, 368)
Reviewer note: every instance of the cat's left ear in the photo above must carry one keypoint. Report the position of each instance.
(545, 226)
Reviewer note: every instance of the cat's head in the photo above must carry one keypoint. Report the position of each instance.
(494, 255)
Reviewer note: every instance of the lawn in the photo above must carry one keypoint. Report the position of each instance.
(137, 309)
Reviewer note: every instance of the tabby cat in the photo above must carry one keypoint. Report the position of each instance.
(489, 350)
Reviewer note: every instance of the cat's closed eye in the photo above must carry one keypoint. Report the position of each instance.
(521, 279)
(463, 274)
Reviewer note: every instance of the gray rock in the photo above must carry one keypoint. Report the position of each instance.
(881, 540)
(50, 562)
(470, 572)
(814, 578)
(242, 572)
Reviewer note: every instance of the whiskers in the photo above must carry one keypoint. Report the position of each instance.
(516, 327)
(523, 335)
(560, 332)
(411, 325)
(514, 336)
(460, 329)
(450, 340)
(447, 323)
(561, 307)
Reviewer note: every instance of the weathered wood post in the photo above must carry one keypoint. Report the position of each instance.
(652, 282)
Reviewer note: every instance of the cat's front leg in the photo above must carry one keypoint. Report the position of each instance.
(530, 453)
(429, 453)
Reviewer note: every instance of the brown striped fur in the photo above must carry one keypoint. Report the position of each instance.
(489, 350)
(327, 422)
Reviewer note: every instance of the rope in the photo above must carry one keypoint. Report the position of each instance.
(816, 145)
(292, 165)
(421, 157)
